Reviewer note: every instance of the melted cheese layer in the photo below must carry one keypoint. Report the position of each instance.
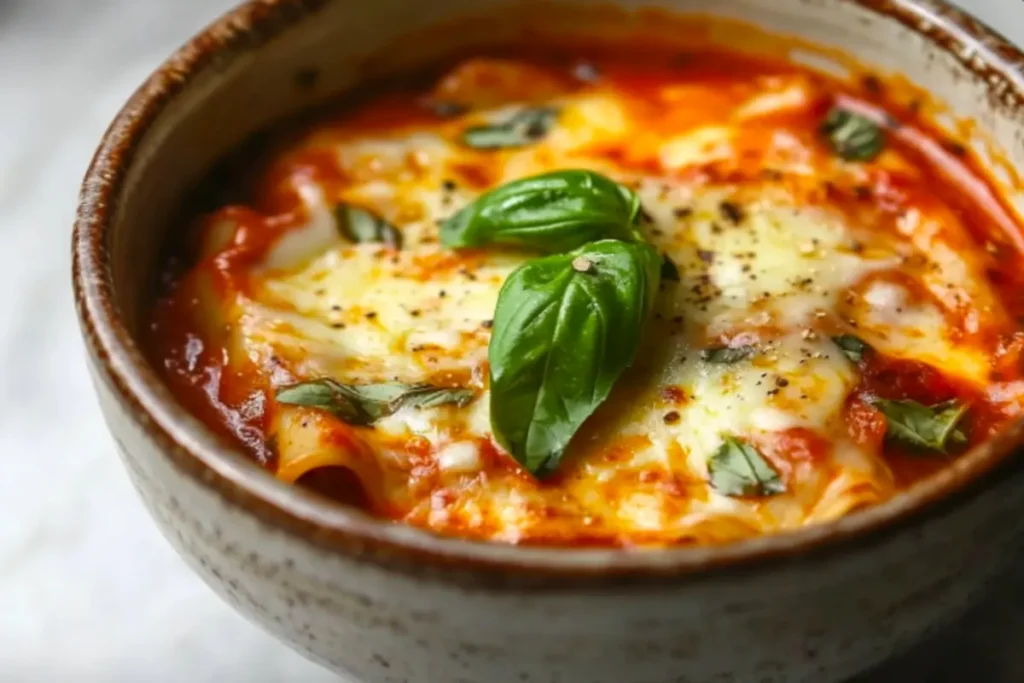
(768, 261)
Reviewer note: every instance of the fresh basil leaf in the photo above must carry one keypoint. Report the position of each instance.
(552, 212)
(523, 128)
(928, 427)
(563, 334)
(728, 354)
(363, 404)
(737, 469)
(852, 136)
(359, 226)
(853, 347)
(669, 269)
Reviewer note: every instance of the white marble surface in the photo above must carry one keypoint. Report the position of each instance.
(88, 589)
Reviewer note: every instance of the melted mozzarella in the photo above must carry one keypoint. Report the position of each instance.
(746, 397)
(388, 315)
(910, 327)
(365, 313)
(779, 265)
(763, 264)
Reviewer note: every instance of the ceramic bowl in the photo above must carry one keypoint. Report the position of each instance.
(386, 603)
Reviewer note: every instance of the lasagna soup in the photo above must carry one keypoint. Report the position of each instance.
(602, 302)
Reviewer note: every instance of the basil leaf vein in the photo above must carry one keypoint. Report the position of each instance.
(551, 212)
(526, 126)
(562, 336)
(928, 427)
(360, 226)
(738, 469)
(852, 136)
(363, 404)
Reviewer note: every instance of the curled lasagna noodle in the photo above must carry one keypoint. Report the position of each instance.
(739, 192)
(306, 440)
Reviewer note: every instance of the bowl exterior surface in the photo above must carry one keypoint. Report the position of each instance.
(811, 622)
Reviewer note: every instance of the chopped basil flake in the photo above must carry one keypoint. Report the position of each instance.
(359, 225)
(738, 469)
(363, 404)
(727, 354)
(521, 129)
(852, 346)
(853, 137)
(928, 427)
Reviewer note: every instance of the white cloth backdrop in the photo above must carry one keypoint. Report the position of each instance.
(89, 591)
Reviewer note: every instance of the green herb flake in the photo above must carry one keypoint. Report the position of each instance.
(738, 469)
(931, 428)
(523, 128)
(852, 136)
(363, 404)
(853, 347)
(361, 226)
(728, 354)
(325, 394)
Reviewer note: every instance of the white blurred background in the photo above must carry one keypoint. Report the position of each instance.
(89, 591)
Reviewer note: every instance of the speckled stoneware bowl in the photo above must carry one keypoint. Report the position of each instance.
(383, 602)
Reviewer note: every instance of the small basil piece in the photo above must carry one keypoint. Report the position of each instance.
(669, 269)
(728, 354)
(323, 393)
(852, 136)
(853, 347)
(561, 339)
(359, 225)
(552, 212)
(928, 427)
(363, 404)
(737, 469)
(523, 128)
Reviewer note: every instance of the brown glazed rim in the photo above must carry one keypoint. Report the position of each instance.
(196, 452)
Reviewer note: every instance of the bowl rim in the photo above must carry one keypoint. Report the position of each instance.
(195, 451)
